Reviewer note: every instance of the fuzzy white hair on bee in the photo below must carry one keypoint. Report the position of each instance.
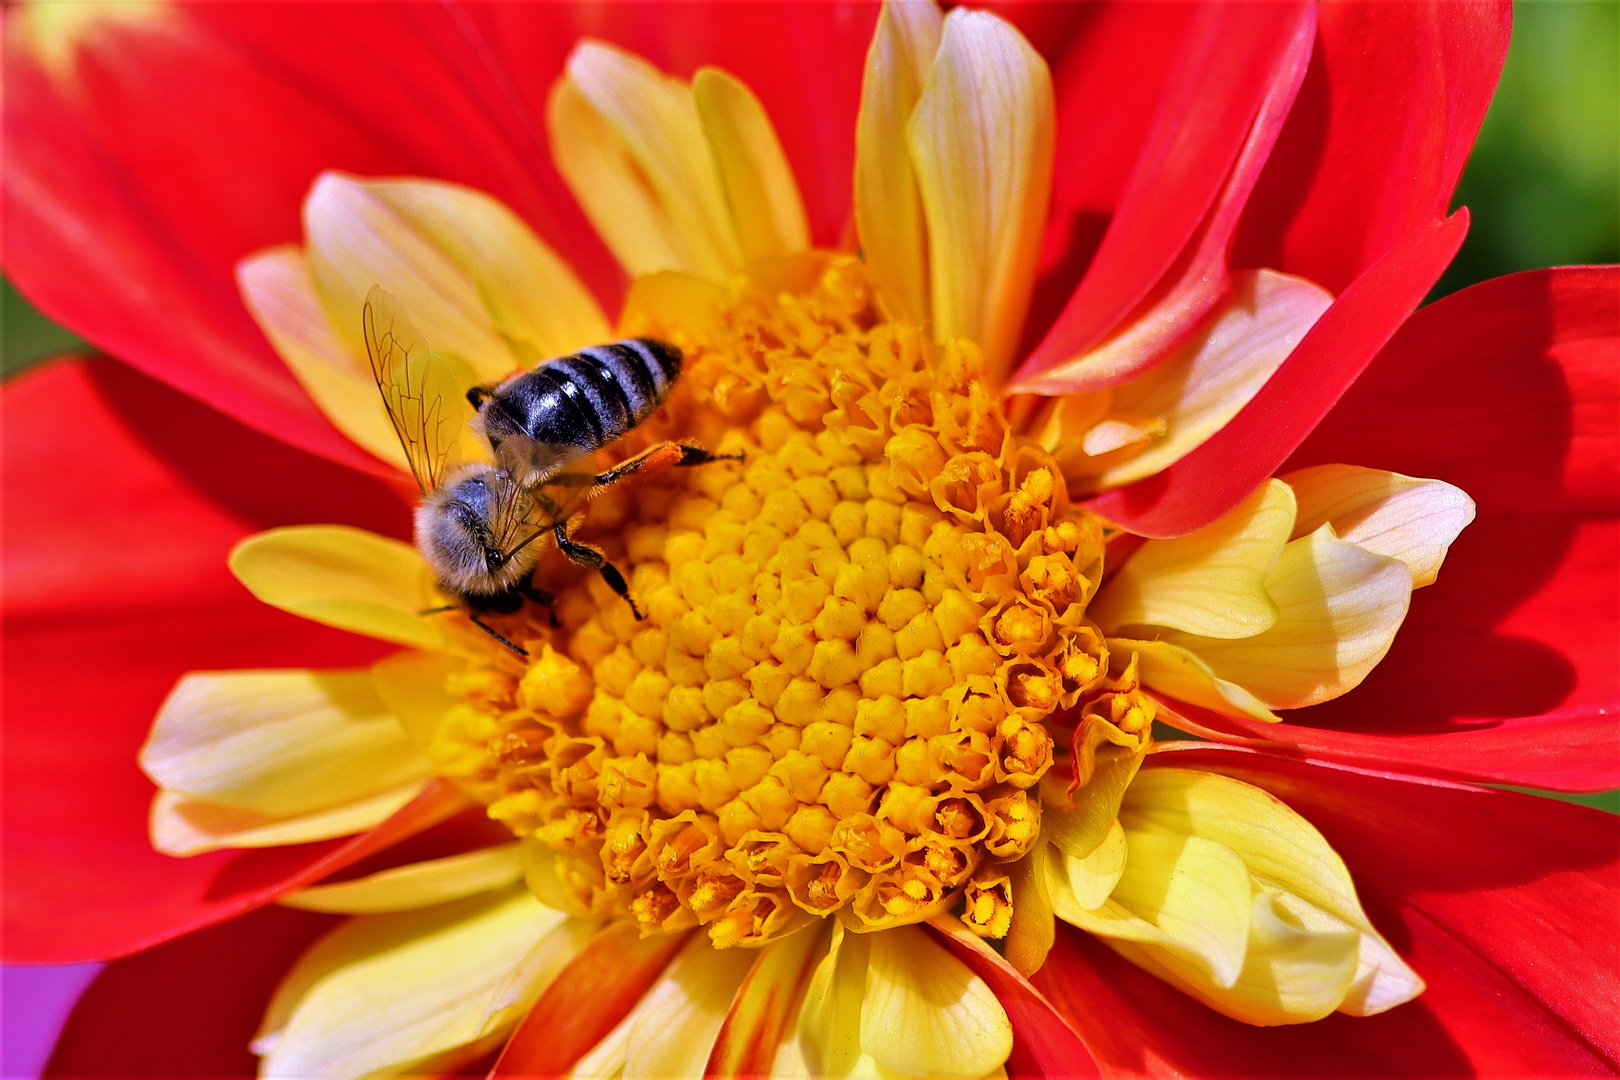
(457, 534)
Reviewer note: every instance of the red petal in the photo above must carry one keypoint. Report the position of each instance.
(1507, 905)
(1108, 83)
(189, 1007)
(1508, 389)
(125, 498)
(131, 154)
(1501, 674)
(1217, 475)
(1233, 57)
(587, 1000)
(1378, 137)
(1044, 1044)
(1504, 670)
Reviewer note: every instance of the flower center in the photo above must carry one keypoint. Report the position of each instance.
(839, 701)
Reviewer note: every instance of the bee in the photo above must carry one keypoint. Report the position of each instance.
(478, 522)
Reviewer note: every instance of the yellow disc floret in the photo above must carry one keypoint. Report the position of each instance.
(839, 701)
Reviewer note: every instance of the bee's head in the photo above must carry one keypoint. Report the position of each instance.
(454, 535)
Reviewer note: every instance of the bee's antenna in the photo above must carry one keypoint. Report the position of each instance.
(486, 628)
(437, 610)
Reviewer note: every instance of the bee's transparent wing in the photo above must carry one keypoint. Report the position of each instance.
(423, 391)
(524, 513)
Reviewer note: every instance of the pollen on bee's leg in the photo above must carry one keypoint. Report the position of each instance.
(861, 619)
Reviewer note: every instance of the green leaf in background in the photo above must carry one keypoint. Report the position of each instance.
(1543, 184)
(26, 336)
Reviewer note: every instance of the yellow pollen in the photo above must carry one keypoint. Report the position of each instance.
(865, 642)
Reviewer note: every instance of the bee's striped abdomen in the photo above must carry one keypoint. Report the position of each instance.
(588, 399)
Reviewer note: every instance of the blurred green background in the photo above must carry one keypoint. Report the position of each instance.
(1543, 184)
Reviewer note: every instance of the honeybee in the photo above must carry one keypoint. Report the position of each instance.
(478, 523)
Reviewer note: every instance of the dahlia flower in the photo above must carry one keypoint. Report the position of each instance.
(1070, 399)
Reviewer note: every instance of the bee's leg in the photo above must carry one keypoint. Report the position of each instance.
(588, 557)
(658, 458)
(486, 628)
(437, 610)
(530, 591)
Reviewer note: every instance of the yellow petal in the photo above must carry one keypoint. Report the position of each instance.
(183, 826)
(1179, 673)
(671, 1031)
(1092, 879)
(1211, 582)
(926, 1014)
(764, 1009)
(1078, 831)
(356, 241)
(413, 686)
(1338, 607)
(1284, 852)
(754, 174)
(981, 145)
(279, 743)
(829, 1029)
(415, 885)
(1386, 513)
(1197, 391)
(384, 991)
(888, 206)
(1032, 933)
(529, 292)
(1298, 965)
(1184, 895)
(630, 144)
(343, 577)
(279, 293)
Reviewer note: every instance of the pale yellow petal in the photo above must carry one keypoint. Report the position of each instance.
(415, 885)
(1092, 879)
(413, 684)
(1032, 931)
(1179, 673)
(1182, 894)
(1284, 852)
(1382, 980)
(888, 206)
(1211, 582)
(1197, 391)
(609, 186)
(754, 173)
(384, 991)
(343, 577)
(1297, 967)
(356, 241)
(671, 1030)
(1402, 517)
(981, 144)
(279, 293)
(528, 290)
(926, 1014)
(1339, 608)
(183, 826)
(661, 174)
(279, 743)
(1078, 831)
(829, 1028)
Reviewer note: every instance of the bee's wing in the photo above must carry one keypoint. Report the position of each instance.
(423, 391)
(524, 512)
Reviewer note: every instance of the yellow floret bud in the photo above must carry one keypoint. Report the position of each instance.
(855, 639)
